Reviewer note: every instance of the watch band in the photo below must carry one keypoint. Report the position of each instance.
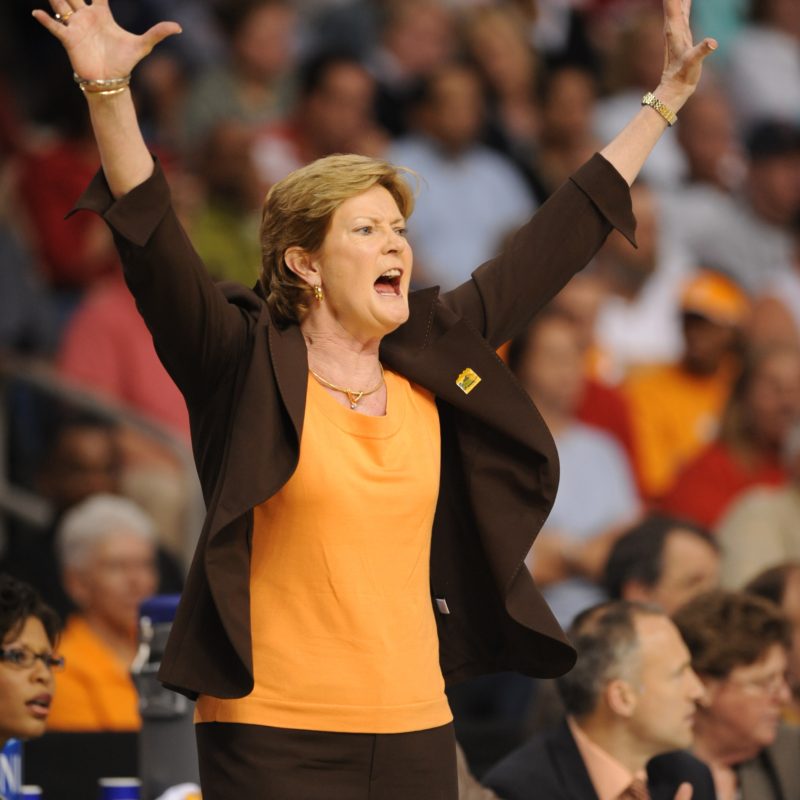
(669, 116)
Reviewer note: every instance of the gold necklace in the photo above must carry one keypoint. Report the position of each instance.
(353, 396)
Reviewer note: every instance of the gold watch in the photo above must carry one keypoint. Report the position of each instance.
(670, 117)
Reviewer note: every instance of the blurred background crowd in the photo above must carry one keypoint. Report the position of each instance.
(669, 374)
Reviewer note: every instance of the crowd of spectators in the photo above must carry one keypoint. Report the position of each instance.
(669, 374)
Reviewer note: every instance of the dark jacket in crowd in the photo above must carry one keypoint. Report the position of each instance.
(550, 766)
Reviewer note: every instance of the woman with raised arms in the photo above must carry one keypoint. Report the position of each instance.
(374, 475)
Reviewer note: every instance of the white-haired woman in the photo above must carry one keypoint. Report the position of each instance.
(366, 527)
(107, 552)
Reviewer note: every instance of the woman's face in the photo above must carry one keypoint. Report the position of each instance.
(25, 692)
(748, 704)
(568, 111)
(784, 15)
(553, 368)
(365, 267)
(504, 56)
(265, 40)
(120, 572)
(790, 606)
(774, 397)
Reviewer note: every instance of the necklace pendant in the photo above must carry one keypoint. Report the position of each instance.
(354, 397)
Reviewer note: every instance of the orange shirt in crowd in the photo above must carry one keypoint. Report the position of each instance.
(342, 624)
(674, 415)
(95, 691)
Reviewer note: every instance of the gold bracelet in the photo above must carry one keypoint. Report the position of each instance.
(100, 85)
(105, 92)
(669, 116)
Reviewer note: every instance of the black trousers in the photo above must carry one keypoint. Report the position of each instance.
(244, 762)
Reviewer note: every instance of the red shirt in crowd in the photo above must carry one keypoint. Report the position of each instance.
(108, 348)
(74, 252)
(705, 488)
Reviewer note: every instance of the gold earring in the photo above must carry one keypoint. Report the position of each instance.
(319, 295)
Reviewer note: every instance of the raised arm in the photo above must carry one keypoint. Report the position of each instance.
(197, 333)
(683, 61)
(100, 51)
(570, 227)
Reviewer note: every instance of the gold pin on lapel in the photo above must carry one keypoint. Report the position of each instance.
(468, 380)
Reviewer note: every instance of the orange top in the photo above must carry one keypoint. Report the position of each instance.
(343, 631)
(674, 415)
(95, 691)
(609, 777)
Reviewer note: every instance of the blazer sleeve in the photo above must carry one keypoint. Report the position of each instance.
(197, 333)
(559, 240)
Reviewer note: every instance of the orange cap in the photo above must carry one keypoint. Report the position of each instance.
(715, 297)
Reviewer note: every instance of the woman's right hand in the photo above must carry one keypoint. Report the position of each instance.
(99, 50)
(97, 47)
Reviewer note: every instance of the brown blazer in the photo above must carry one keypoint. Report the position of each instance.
(244, 380)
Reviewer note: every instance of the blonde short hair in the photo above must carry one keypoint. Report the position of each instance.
(297, 213)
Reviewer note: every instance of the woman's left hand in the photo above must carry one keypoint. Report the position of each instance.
(683, 64)
(683, 60)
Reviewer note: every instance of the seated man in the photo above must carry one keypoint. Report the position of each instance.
(740, 649)
(631, 701)
(107, 551)
(676, 406)
(662, 560)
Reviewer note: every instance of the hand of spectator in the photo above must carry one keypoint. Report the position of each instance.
(683, 60)
(556, 556)
(587, 559)
(685, 792)
(546, 561)
(97, 47)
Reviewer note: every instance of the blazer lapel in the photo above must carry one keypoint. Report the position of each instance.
(270, 408)
(290, 362)
(512, 462)
(569, 765)
(436, 346)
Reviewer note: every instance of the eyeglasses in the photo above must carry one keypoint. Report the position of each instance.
(771, 685)
(24, 658)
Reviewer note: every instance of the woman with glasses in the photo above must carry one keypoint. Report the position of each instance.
(28, 632)
(107, 553)
(740, 650)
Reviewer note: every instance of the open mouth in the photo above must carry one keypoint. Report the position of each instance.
(388, 283)
(40, 705)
